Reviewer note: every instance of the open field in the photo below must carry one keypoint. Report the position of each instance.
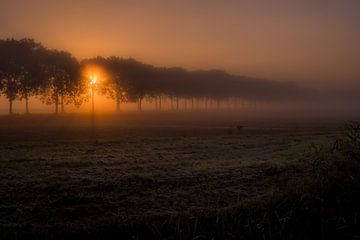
(68, 179)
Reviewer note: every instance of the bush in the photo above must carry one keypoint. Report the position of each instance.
(335, 181)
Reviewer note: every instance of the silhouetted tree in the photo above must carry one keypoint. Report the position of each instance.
(63, 83)
(13, 61)
(31, 74)
(28, 69)
(131, 81)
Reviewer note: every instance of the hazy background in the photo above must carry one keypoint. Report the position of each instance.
(313, 42)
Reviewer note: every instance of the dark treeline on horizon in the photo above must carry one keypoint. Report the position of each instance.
(28, 69)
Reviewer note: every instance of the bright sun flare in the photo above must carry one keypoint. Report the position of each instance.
(94, 75)
(93, 79)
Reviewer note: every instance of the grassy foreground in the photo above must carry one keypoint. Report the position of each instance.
(191, 183)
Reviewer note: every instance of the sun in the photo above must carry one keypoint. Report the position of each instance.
(94, 75)
(93, 79)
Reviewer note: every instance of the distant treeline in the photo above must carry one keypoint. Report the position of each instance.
(27, 69)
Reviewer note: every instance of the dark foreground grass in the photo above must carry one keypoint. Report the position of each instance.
(208, 184)
(288, 215)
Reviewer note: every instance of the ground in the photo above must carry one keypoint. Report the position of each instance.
(73, 177)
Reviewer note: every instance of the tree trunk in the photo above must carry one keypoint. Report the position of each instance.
(56, 104)
(139, 104)
(177, 103)
(118, 101)
(160, 103)
(62, 104)
(10, 106)
(117, 105)
(27, 104)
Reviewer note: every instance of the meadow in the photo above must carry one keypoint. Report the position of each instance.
(70, 177)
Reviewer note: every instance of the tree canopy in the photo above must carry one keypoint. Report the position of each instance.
(27, 68)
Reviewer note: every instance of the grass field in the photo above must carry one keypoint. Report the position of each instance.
(65, 179)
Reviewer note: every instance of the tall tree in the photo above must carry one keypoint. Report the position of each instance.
(31, 74)
(63, 84)
(10, 70)
(20, 69)
(119, 82)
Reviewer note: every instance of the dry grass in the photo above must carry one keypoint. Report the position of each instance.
(133, 182)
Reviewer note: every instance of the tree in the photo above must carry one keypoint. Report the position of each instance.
(119, 83)
(63, 83)
(20, 69)
(10, 70)
(31, 75)
(115, 85)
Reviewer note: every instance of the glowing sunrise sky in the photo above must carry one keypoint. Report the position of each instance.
(312, 41)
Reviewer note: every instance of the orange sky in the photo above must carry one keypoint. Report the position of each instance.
(315, 42)
(282, 39)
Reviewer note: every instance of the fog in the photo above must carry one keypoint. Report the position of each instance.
(311, 44)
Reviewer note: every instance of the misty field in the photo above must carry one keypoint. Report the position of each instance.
(69, 180)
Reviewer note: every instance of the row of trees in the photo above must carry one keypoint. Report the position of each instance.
(29, 69)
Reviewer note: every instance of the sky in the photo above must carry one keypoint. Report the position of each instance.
(314, 42)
